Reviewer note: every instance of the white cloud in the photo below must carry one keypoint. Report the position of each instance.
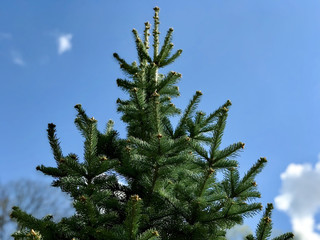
(64, 43)
(238, 232)
(17, 58)
(300, 199)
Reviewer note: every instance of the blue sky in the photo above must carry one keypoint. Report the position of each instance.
(262, 55)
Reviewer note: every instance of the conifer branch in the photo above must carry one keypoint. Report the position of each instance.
(146, 35)
(51, 171)
(207, 175)
(181, 127)
(167, 126)
(171, 59)
(169, 80)
(133, 216)
(217, 113)
(254, 170)
(45, 226)
(141, 48)
(73, 167)
(125, 84)
(250, 237)
(90, 148)
(172, 91)
(265, 225)
(150, 234)
(109, 127)
(54, 142)
(285, 236)
(82, 120)
(217, 135)
(223, 164)
(156, 33)
(166, 47)
(230, 151)
(27, 235)
(127, 68)
(200, 150)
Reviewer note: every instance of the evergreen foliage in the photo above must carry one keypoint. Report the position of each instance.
(173, 190)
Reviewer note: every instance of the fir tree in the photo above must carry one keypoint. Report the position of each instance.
(172, 190)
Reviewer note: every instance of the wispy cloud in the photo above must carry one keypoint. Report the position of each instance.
(300, 198)
(17, 58)
(238, 232)
(4, 36)
(64, 43)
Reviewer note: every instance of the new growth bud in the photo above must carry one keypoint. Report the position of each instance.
(77, 106)
(263, 159)
(51, 125)
(82, 198)
(148, 25)
(270, 206)
(267, 219)
(128, 148)
(135, 198)
(155, 233)
(199, 93)
(155, 94)
(33, 233)
(242, 145)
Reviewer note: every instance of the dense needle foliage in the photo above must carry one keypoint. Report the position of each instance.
(170, 189)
